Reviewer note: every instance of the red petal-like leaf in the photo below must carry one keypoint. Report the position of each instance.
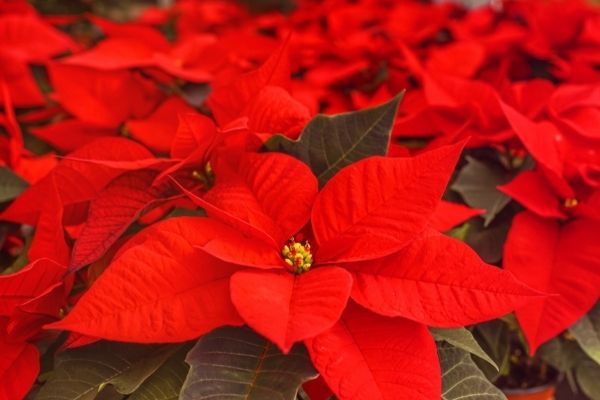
(31, 39)
(49, 239)
(392, 201)
(584, 120)
(158, 129)
(71, 134)
(30, 282)
(105, 98)
(287, 308)
(229, 245)
(148, 34)
(218, 214)
(193, 132)
(369, 357)
(539, 138)
(111, 212)
(459, 58)
(228, 101)
(275, 111)
(19, 368)
(115, 53)
(438, 281)
(78, 181)
(562, 259)
(22, 86)
(15, 141)
(317, 389)
(214, 238)
(531, 190)
(29, 318)
(162, 290)
(447, 215)
(272, 192)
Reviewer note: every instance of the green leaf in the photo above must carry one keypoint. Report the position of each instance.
(11, 185)
(167, 381)
(587, 333)
(329, 143)
(488, 241)
(588, 377)
(110, 393)
(263, 6)
(460, 232)
(80, 374)
(563, 355)
(237, 363)
(476, 183)
(22, 259)
(462, 379)
(494, 338)
(463, 339)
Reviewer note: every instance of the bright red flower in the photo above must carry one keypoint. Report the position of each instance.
(19, 367)
(27, 39)
(262, 96)
(447, 215)
(257, 264)
(104, 98)
(29, 299)
(552, 247)
(157, 130)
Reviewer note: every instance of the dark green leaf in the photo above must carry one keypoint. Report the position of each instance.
(80, 374)
(462, 379)
(460, 232)
(11, 185)
(588, 377)
(489, 241)
(109, 393)
(494, 338)
(263, 6)
(476, 183)
(237, 363)
(22, 259)
(587, 333)
(195, 94)
(167, 381)
(463, 339)
(564, 355)
(329, 143)
(186, 212)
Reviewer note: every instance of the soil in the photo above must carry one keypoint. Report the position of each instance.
(527, 373)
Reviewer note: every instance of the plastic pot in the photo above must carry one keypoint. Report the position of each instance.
(545, 392)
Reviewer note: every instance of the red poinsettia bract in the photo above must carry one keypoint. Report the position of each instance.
(284, 258)
(553, 247)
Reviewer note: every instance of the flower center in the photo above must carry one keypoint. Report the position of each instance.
(207, 177)
(297, 255)
(571, 202)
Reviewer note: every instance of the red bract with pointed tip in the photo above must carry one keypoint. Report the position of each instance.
(29, 299)
(190, 222)
(19, 366)
(553, 248)
(286, 260)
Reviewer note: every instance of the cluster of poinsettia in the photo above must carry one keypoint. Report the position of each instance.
(182, 181)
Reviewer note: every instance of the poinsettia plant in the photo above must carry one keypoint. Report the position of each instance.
(347, 200)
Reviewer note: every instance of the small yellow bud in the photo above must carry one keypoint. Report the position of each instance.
(297, 256)
(125, 132)
(197, 175)
(571, 202)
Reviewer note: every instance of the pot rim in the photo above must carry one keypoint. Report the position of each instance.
(532, 390)
(536, 389)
